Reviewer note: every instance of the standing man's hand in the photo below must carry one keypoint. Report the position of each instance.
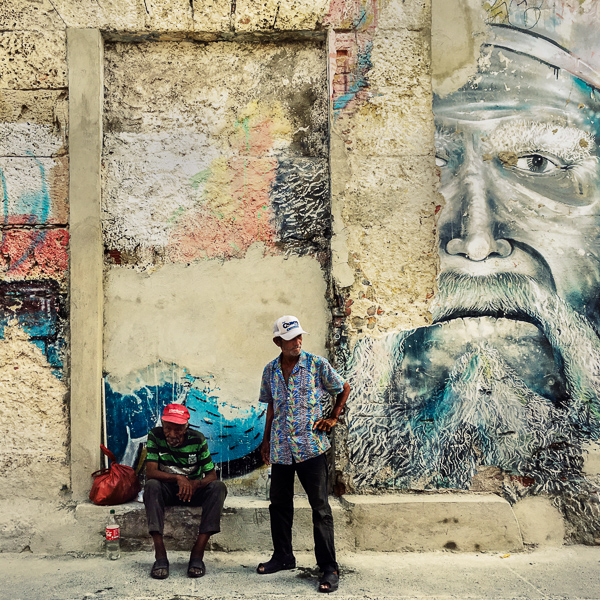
(325, 424)
(265, 451)
(340, 402)
(186, 489)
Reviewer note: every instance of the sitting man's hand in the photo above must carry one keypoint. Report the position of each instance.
(186, 488)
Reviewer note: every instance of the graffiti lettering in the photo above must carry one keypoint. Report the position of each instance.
(519, 13)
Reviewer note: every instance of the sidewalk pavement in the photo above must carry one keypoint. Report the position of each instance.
(569, 572)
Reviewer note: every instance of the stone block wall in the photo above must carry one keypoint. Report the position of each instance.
(411, 179)
(34, 262)
(242, 145)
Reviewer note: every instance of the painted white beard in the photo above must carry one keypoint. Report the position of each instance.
(571, 335)
(484, 413)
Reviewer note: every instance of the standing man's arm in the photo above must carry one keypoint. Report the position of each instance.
(340, 401)
(265, 448)
(266, 397)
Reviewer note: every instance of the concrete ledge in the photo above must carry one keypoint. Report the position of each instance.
(245, 526)
(388, 523)
(423, 522)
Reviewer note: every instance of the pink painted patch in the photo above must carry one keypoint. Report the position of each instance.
(20, 220)
(258, 141)
(34, 253)
(237, 211)
(206, 234)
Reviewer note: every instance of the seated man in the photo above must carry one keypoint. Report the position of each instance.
(180, 471)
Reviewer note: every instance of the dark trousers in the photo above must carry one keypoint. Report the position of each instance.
(313, 475)
(159, 494)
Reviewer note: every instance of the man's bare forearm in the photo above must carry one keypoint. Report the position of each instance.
(268, 423)
(265, 447)
(340, 402)
(153, 472)
(208, 478)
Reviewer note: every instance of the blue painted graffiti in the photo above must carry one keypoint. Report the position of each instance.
(233, 433)
(38, 307)
(359, 78)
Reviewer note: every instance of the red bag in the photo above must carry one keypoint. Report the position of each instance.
(115, 485)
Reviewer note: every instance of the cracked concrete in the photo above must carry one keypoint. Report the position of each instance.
(549, 574)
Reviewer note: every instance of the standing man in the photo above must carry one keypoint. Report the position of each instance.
(296, 386)
(180, 471)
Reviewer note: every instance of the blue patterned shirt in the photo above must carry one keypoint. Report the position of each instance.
(298, 406)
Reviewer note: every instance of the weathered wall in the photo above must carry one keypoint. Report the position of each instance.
(213, 147)
(384, 198)
(216, 214)
(501, 394)
(34, 269)
(293, 156)
(383, 184)
(216, 220)
(210, 339)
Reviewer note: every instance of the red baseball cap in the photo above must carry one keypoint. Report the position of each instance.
(176, 413)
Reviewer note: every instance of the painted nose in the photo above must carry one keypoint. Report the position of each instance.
(479, 247)
(477, 240)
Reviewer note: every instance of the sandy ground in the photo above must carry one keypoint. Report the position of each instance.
(570, 572)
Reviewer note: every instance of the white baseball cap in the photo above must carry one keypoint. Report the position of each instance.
(287, 327)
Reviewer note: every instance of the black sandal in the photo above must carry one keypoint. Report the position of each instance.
(160, 569)
(196, 568)
(274, 565)
(329, 582)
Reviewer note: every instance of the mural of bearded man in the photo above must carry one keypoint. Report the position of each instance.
(509, 374)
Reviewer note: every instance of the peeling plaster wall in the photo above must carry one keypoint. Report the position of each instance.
(35, 455)
(279, 156)
(230, 181)
(34, 459)
(212, 148)
(383, 180)
(210, 340)
(384, 199)
(216, 220)
(289, 154)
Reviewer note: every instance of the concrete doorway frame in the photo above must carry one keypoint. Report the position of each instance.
(85, 56)
(85, 59)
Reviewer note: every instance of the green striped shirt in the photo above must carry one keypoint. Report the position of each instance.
(191, 459)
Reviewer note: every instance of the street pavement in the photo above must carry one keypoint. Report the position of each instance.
(569, 572)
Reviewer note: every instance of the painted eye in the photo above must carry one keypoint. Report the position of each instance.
(440, 162)
(536, 163)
